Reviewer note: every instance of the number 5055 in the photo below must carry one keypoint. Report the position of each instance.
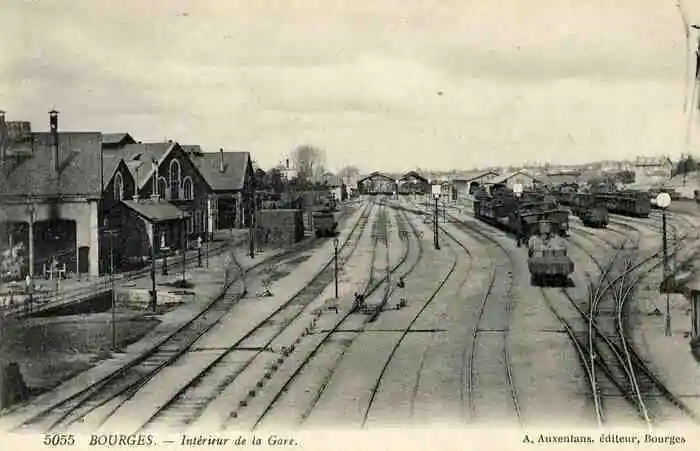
(59, 439)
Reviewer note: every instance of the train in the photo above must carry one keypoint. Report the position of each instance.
(591, 213)
(519, 216)
(548, 260)
(325, 219)
(602, 202)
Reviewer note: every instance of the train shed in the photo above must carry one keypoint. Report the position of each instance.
(413, 183)
(377, 183)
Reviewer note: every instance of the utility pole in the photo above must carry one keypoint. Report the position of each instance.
(111, 233)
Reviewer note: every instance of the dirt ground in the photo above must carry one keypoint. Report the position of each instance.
(50, 350)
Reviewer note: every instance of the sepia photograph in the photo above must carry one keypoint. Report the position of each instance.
(350, 224)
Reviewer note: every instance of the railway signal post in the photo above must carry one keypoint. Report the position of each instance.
(663, 200)
(436, 195)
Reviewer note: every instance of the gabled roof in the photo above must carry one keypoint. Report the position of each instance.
(473, 175)
(140, 156)
(413, 174)
(376, 174)
(505, 177)
(32, 174)
(117, 139)
(155, 211)
(233, 176)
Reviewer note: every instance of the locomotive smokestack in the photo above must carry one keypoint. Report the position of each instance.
(221, 160)
(53, 135)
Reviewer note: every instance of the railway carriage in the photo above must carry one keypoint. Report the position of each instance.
(628, 203)
(591, 213)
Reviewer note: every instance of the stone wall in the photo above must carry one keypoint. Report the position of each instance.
(279, 227)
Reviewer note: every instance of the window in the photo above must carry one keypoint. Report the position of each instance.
(187, 188)
(118, 186)
(175, 174)
(162, 187)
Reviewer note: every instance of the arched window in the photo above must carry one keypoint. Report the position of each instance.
(118, 186)
(187, 188)
(175, 179)
(162, 187)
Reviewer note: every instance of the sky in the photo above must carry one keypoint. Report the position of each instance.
(383, 85)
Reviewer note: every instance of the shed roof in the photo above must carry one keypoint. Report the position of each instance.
(377, 174)
(505, 177)
(32, 173)
(233, 176)
(155, 211)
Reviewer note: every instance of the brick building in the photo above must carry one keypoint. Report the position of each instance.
(50, 192)
(231, 180)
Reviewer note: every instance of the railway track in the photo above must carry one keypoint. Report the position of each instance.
(288, 326)
(468, 385)
(126, 382)
(604, 344)
(275, 391)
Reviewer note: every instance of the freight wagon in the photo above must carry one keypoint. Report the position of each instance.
(512, 215)
(591, 213)
(628, 203)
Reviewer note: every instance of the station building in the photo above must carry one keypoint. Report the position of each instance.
(66, 197)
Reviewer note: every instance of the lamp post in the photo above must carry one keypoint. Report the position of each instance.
(154, 243)
(663, 200)
(518, 191)
(436, 194)
(111, 233)
(335, 261)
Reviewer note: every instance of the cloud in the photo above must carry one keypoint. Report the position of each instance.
(535, 80)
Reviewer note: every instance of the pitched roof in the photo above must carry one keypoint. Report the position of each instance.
(473, 175)
(114, 139)
(137, 155)
(413, 174)
(155, 211)
(32, 174)
(376, 174)
(233, 176)
(510, 175)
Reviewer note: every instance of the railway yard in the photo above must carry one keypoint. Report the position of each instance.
(391, 331)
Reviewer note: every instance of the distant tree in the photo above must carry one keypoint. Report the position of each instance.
(685, 165)
(308, 162)
(274, 180)
(260, 179)
(348, 172)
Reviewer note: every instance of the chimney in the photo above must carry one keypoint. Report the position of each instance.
(221, 160)
(3, 135)
(53, 130)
